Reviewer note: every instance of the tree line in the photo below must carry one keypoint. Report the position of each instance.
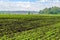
(52, 10)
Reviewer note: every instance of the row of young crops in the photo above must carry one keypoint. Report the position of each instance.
(41, 33)
(29, 27)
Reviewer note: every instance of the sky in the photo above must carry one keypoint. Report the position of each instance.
(27, 5)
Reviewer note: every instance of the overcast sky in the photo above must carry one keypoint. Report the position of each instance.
(27, 5)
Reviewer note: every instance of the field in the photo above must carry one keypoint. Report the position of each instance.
(29, 27)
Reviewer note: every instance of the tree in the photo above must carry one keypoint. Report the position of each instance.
(52, 10)
(28, 12)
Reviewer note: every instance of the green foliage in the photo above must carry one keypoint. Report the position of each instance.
(52, 10)
(29, 27)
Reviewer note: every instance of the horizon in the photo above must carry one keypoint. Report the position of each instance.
(27, 5)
